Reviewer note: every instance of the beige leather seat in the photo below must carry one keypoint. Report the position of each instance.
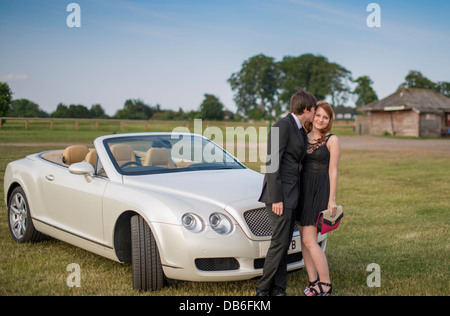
(123, 153)
(74, 153)
(158, 157)
(91, 157)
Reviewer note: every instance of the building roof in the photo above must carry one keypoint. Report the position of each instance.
(339, 109)
(420, 100)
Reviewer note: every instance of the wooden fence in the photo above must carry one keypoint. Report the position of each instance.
(52, 121)
(145, 123)
(342, 126)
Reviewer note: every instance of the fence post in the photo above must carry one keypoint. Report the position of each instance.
(26, 124)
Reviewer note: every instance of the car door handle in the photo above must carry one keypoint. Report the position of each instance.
(50, 177)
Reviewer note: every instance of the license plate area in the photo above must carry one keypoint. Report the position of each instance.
(294, 247)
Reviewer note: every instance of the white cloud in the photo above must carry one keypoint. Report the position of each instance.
(15, 77)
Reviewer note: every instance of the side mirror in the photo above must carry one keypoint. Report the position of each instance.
(83, 168)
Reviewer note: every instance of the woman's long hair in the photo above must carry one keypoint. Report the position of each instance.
(329, 110)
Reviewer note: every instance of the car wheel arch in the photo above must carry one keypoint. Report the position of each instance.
(11, 189)
(122, 235)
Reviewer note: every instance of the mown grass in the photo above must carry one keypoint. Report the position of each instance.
(396, 207)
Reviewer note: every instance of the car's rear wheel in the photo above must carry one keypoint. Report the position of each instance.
(19, 218)
(148, 274)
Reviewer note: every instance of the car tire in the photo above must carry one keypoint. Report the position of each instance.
(147, 269)
(19, 218)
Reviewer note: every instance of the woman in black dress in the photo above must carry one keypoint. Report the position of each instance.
(318, 193)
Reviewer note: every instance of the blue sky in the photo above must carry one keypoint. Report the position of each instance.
(172, 52)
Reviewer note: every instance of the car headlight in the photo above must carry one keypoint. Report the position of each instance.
(220, 223)
(192, 222)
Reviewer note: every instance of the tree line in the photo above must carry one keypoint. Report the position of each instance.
(262, 90)
(264, 86)
(133, 109)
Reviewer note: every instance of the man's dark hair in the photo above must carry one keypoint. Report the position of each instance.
(302, 100)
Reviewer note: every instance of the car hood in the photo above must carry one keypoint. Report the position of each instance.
(218, 187)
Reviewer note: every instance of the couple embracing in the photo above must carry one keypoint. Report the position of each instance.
(302, 185)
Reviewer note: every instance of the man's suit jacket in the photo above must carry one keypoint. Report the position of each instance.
(282, 184)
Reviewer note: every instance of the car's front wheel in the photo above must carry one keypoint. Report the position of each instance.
(148, 274)
(19, 218)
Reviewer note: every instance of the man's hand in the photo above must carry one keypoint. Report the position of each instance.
(277, 208)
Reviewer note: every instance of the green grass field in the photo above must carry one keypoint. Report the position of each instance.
(396, 206)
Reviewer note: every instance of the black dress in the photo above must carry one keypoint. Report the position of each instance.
(314, 183)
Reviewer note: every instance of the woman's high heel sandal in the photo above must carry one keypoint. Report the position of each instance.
(313, 291)
(307, 291)
(322, 292)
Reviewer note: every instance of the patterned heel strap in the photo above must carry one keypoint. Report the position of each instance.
(307, 291)
(322, 292)
(311, 284)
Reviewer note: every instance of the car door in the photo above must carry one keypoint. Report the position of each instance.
(74, 205)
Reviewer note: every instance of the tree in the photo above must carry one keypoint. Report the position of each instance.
(340, 79)
(211, 108)
(443, 87)
(71, 111)
(135, 109)
(256, 84)
(364, 91)
(26, 108)
(78, 111)
(60, 112)
(415, 79)
(5, 99)
(316, 75)
(97, 111)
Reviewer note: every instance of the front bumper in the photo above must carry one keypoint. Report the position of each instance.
(208, 256)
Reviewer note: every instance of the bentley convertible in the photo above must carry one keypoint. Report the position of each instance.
(175, 206)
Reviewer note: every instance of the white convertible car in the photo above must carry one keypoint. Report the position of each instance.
(176, 206)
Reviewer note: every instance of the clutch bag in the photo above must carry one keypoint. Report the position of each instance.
(326, 223)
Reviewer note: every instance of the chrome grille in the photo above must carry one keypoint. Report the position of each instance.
(258, 222)
(217, 264)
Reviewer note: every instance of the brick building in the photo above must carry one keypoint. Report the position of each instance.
(408, 112)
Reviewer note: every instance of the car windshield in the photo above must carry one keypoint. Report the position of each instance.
(149, 154)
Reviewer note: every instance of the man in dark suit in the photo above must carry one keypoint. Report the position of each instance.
(285, 151)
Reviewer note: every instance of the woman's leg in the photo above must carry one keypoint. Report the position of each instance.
(307, 259)
(315, 254)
